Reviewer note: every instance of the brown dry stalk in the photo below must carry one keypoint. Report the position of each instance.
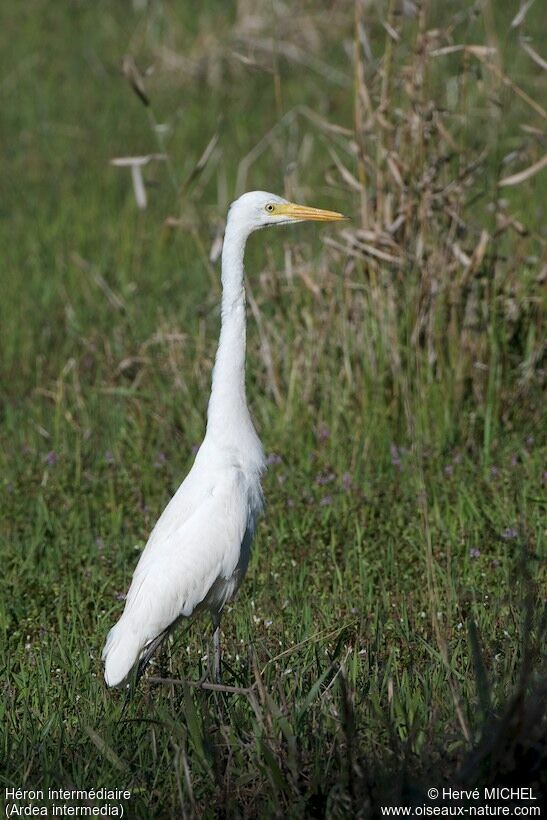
(361, 104)
(522, 176)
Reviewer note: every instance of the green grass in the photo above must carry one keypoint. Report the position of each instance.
(393, 603)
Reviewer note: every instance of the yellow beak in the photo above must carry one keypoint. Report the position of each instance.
(302, 212)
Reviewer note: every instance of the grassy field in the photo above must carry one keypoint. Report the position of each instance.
(390, 634)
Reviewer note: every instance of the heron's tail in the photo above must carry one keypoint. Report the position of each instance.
(121, 651)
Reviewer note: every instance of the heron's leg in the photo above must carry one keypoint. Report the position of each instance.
(216, 641)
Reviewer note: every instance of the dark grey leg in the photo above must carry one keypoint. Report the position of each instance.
(216, 642)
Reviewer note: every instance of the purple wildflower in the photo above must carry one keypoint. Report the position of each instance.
(530, 441)
(346, 481)
(474, 552)
(448, 470)
(109, 457)
(509, 533)
(51, 458)
(161, 458)
(494, 472)
(395, 456)
(273, 458)
(514, 460)
(323, 432)
(326, 501)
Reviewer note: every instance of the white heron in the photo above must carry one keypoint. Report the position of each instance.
(198, 552)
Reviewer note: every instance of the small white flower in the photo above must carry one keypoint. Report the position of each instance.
(136, 164)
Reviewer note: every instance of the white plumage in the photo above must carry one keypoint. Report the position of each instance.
(198, 552)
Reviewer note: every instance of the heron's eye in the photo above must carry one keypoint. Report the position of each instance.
(270, 208)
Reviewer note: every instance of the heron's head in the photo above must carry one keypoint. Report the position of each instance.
(258, 209)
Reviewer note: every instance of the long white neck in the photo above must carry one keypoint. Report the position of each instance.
(228, 414)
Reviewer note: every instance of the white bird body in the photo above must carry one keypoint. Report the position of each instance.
(198, 552)
(196, 557)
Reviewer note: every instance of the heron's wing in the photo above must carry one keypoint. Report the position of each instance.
(177, 570)
(188, 558)
(187, 500)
